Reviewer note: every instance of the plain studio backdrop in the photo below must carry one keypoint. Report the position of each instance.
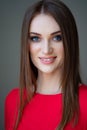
(11, 17)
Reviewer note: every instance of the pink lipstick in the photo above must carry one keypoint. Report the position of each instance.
(47, 60)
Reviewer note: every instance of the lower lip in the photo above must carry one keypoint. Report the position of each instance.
(45, 61)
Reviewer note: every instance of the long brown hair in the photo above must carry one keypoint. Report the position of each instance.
(71, 77)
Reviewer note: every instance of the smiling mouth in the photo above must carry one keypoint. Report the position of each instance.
(47, 60)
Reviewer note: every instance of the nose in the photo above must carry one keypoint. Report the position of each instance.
(46, 47)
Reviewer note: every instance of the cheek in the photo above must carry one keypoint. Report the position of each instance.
(34, 50)
(60, 50)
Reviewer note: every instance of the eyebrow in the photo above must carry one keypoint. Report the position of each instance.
(40, 34)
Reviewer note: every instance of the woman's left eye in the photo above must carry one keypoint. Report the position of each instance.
(57, 38)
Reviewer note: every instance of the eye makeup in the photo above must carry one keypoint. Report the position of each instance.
(34, 39)
(57, 38)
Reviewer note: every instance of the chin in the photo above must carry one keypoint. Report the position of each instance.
(48, 70)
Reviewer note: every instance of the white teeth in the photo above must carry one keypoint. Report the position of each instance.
(48, 59)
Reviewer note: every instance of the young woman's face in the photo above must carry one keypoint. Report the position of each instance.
(45, 44)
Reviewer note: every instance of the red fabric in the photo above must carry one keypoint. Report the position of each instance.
(43, 112)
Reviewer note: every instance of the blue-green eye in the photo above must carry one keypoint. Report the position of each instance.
(34, 38)
(57, 38)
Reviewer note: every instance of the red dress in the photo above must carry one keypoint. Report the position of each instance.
(43, 112)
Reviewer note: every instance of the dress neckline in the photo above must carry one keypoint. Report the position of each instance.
(46, 94)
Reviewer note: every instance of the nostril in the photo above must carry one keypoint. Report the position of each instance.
(51, 50)
(47, 50)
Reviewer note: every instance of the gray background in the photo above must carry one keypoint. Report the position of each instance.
(11, 16)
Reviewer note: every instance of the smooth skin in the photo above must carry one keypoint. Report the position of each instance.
(47, 53)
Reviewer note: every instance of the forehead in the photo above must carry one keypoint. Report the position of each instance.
(44, 23)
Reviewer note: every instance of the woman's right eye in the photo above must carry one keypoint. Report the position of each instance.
(34, 38)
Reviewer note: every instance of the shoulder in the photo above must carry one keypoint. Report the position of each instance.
(82, 100)
(12, 99)
(83, 90)
(12, 95)
(13, 92)
(11, 107)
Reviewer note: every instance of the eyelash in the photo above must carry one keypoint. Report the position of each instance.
(37, 39)
(34, 38)
(57, 38)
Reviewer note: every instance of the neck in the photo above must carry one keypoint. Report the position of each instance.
(49, 83)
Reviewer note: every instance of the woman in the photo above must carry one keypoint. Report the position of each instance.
(51, 94)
